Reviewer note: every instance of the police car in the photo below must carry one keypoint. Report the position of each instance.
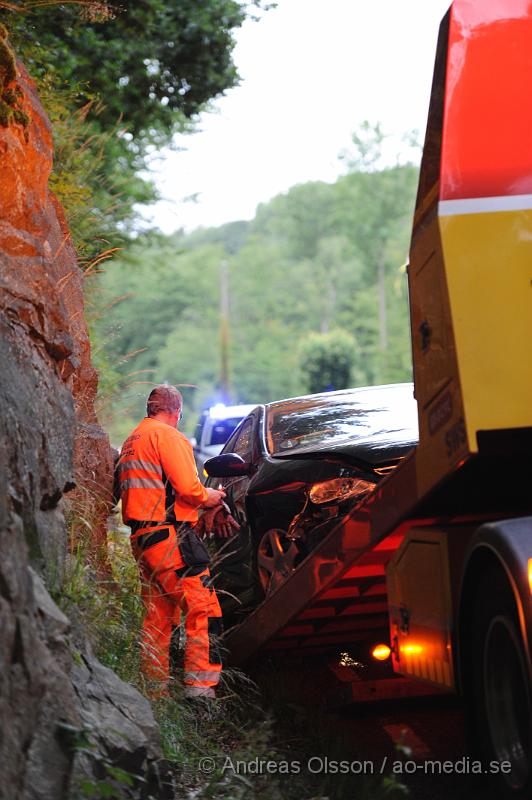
(215, 426)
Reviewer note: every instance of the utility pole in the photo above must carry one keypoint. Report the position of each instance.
(383, 317)
(224, 330)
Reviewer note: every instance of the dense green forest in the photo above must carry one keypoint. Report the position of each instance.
(321, 266)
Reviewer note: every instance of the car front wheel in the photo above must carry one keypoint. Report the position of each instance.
(277, 556)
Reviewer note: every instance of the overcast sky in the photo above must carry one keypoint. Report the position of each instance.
(312, 70)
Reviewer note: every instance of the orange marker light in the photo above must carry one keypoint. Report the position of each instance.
(530, 574)
(412, 649)
(381, 652)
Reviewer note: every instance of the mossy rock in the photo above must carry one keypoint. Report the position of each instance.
(8, 67)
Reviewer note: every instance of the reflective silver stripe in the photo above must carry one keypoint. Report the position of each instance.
(199, 691)
(203, 675)
(484, 205)
(141, 483)
(147, 465)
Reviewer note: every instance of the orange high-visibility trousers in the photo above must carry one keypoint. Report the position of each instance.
(169, 590)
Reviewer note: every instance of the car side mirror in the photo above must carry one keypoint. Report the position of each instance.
(228, 465)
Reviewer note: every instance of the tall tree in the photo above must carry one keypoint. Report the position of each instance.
(146, 61)
(133, 74)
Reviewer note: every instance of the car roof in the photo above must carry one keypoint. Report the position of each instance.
(384, 390)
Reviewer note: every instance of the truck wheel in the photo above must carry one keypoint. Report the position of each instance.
(500, 688)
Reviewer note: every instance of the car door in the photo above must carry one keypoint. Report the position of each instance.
(232, 564)
(243, 443)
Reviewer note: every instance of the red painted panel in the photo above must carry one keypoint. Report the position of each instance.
(297, 630)
(367, 571)
(487, 133)
(318, 613)
(390, 543)
(348, 625)
(356, 609)
(340, 592)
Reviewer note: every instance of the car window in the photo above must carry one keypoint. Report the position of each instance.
(222, 430)
(229, 446)
(243, 445)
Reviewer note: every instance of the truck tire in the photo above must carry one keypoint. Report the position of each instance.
(500, 692)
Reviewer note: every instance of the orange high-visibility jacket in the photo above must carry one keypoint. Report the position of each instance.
(158, 476)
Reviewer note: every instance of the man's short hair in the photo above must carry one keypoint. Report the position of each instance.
(164, 398)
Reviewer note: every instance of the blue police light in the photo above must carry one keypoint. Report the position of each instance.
(216, 411)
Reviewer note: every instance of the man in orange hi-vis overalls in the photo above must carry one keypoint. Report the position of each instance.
(161, 494)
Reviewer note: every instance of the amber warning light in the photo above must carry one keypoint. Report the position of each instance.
(381, 652)
(530, 574)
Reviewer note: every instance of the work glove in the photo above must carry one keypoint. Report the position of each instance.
(217, 521)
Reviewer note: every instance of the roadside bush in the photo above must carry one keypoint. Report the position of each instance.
(327, 361)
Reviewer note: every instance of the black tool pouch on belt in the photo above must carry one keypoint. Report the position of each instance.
(193, 551)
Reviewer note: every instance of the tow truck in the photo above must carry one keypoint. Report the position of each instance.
(438, 558)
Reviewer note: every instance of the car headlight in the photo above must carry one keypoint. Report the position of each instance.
(339, 489)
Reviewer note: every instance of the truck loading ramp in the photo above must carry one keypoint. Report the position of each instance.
(337, 596)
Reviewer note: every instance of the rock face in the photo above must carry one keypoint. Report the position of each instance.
(50, 700)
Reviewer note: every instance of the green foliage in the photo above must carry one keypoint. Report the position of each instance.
(117, 80)
(91, 9)
(171, 293)
(148, 62)
(327, 360)
(109, 607)
(319, 258)
(113, 787)
(96, 195)
(115, 781)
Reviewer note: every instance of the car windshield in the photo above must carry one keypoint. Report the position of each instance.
(222, 430)
(312, 422)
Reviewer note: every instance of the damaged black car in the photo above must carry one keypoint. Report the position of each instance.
(292, 470)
